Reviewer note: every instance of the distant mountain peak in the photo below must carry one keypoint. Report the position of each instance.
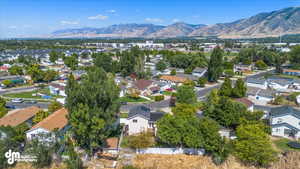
(266, 24)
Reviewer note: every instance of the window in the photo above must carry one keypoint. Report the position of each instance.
(135, 121)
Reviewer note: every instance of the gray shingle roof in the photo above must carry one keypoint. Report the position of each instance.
(285, 110)
(256, 81)
(139, 110)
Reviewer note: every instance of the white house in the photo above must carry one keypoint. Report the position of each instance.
(141, 119)
(280, 84)
(260, 96)
(258, 83)
(44, 130)
(285, 122)
(57, 89)
(199, 72)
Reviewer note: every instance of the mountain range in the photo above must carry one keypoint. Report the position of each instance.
(268, 24)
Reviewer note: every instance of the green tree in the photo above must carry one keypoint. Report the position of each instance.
(71, 62)
(226, 111)
(260, 64)
(173, 72)
(215, 67)
(295, 56)
(184, 109)
(7, 83)
(103, 60)
(226, 88)
(54, 106)
(53, 56)
(43, 153)
(50, 75)
(3, 110)
(41, 115)
(92, 105)
(240, 89)
(202, 81)
(15, 70)
(186, 94)
(161, 65)
(253, 145)
(35, 73)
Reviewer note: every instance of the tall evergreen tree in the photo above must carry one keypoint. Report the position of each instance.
(215, 67)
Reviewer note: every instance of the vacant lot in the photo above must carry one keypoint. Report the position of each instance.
(289, 161)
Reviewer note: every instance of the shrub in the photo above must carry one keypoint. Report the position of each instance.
(202, 81)
(229, 73)
(159, 98)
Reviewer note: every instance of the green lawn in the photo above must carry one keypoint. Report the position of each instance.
(123, 115)
(29, 95)
(282, 145)
(167, 93)
(130, 99)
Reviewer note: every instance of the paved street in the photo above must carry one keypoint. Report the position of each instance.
(18, 90)
(43, 105)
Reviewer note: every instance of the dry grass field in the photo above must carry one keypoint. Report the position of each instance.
(289, 161)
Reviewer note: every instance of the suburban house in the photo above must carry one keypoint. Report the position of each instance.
(285, 122)
(280, 84)
(57, 89)
(199, 72)
(43, 131)
(292, 72)
(173, 80)
(140, 119)
(143, 86)
(248, 103)
(19, 116)
(258, 83)
(242, 68)
(261, 96)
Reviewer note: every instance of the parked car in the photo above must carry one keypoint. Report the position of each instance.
(17, 100)
(123, 103)
(10, 107)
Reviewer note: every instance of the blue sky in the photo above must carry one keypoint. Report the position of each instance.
(19, 18)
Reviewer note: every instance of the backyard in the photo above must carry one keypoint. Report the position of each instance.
(32, 94)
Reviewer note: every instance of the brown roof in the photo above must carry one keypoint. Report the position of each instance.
(290, 70)
(112, 143)
(19, 116)
(175, 79)
(58, 86)
(56, 120)
(245, 101)
(142, 84)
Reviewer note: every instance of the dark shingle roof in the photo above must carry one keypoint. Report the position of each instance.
(154, 116)
(284, 110)
(139, 110)
(256, 81)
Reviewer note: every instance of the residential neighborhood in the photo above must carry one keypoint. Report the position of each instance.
(131, 85)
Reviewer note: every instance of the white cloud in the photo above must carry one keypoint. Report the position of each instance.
(98, 17)
(69, 22)
(111, 11)
(175, 20)
(157, 20)
(12, 27)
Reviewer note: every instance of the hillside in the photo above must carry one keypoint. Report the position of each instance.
(268, 24)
